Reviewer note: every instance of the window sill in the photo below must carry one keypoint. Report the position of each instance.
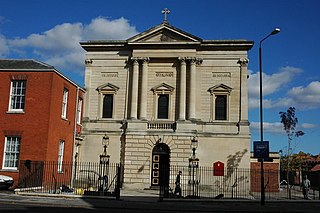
(15, 112)
(9, 170)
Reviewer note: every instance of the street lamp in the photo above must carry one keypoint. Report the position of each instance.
(104, 164)
(193, 164)
(275, 31)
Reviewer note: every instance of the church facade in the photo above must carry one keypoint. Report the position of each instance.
(158, 92)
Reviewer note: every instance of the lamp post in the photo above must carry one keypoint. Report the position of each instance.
(275, 31)
(104, 163)
(193, 164)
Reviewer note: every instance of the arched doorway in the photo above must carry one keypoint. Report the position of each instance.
(160, 165)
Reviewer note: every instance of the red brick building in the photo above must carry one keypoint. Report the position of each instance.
(40, 115)
(271, 173)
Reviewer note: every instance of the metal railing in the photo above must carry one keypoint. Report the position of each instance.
(79, 178)
(235, 183)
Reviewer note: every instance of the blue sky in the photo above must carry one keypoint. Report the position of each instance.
(50, 31)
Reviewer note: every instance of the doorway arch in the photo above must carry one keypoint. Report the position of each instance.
(160, 166)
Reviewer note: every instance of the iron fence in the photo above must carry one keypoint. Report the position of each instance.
(204, 182)
(79, 178)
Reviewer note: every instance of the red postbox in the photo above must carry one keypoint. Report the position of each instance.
(218, 169)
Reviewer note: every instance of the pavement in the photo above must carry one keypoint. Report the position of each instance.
(148, 200)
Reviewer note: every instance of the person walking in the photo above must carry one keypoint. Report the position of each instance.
(177, 190)
(305, 187)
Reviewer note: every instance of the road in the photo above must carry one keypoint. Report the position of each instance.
(10, 202)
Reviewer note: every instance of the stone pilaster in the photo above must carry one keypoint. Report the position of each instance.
(135, 84)
(144, 83)
(183, 88)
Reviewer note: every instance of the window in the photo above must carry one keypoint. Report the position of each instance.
(221, 107)
(11, 152)
(60, 155)
(79, 109)
(162, 101)
(163, 106)
(107, 99)
(17, 95)
(107, 106)
(64, 103)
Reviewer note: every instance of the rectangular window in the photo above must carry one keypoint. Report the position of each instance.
(107, 106)
(64, 103)
(60, 155)
(221, 107)
(17, 95)
(163, 106)
(11, 152)
(79, 109)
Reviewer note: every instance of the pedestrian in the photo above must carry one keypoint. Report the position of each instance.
(305, 187)
(177, 190)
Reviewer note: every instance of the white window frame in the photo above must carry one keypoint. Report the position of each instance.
(60, 155)
(79, 110)
(11, 152)
(65, 103)
(13, 96)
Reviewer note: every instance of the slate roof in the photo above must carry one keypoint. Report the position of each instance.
(23, 64)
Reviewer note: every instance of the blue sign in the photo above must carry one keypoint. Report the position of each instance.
(261, 149)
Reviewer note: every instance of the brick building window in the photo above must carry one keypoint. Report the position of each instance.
(11, 153)
(79, 111)
(17, 95)
(64, 103)
(60, 155)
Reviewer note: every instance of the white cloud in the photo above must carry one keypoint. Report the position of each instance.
(103, 29)
(277, 127)
(3, 46)
(271, 83)
(306, 97)
(60, 46)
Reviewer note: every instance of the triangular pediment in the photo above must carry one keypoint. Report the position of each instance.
(162, 87)
(163, 33)
(108, 87)
(220, 88)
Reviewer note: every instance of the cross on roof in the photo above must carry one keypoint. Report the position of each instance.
(165, 11)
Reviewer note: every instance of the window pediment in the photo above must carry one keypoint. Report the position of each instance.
(108, 88)
(162, 88)
(220, 88)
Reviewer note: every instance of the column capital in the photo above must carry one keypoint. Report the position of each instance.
(243, 61)
(135, 59)
(182, 59)
(145, 59)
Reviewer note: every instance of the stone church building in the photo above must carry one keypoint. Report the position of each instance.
(156, 93)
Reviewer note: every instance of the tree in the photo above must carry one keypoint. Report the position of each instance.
(290, 121)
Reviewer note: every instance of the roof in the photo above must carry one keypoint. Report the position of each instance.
(316, 168)
(166, 34)
(23, 64)
(31, 65)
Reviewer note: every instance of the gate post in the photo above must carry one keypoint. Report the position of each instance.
(117, 188)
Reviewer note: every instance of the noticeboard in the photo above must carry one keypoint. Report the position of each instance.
(261, 149)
